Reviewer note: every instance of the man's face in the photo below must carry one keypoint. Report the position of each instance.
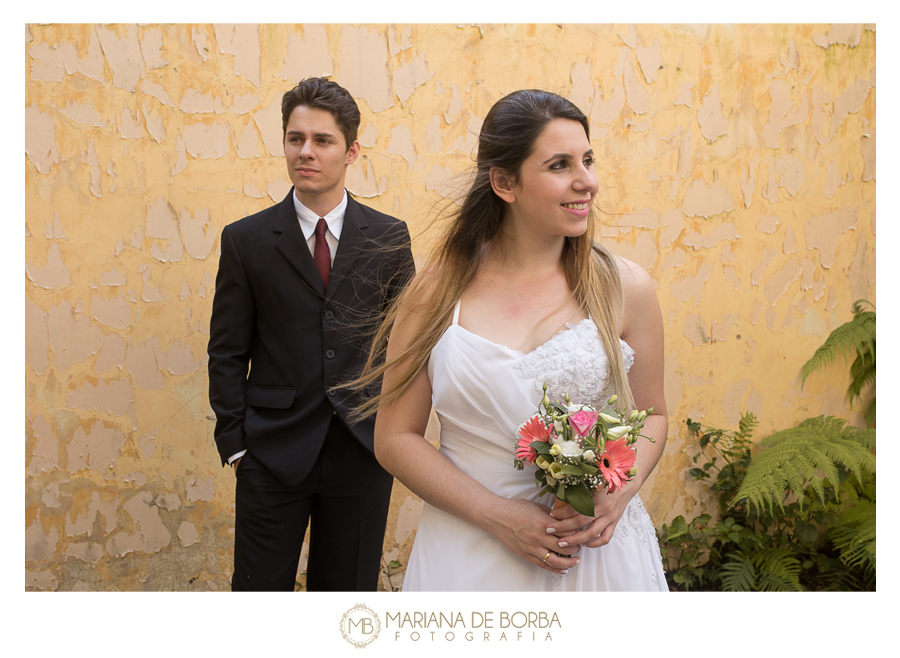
(317, 157)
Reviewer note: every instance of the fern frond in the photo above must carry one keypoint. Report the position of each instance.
(747, 424)
(870, 414)
(862, 373)
(738, 574)
(807, 454)
(855, 536)
(778, 570)
(857, 335)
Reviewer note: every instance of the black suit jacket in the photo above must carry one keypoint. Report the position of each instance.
(280, 345)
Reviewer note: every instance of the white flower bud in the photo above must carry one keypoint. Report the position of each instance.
(619, 432)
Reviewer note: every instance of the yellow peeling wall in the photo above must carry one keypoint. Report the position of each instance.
(737, 164)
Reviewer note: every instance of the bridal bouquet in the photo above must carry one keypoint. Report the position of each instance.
(578, 450)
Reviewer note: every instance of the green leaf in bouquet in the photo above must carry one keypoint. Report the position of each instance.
(581, 499)
(561, 492)
(588, 469)
(569, 469)
(541, 447)
(546, 490)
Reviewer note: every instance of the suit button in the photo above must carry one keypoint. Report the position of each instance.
(331, 392)
(329, 354)
(329, 315)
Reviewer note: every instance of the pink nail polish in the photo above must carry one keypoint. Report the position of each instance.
(550, 531)
(563, 544)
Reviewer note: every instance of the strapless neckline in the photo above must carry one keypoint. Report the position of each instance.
(569, 327)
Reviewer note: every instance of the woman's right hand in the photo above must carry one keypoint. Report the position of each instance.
(521, 526)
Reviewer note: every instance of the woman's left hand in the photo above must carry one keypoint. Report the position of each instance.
(575, 529)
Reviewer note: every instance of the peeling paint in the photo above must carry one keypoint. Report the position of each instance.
(410, 511)
(38, 544)
(720, 232)
(54, 274)
(45, 454)
(713, 123)
(150, 536)
(364, 69)
(123, 54)
(706, 200)
(71, 340)
(308, 55)
(200, 489)
(140, 361)
(115, 311)
(242, 41)
(187, 534)
(822, 232)
(111, 355)
(847, 34)
(409, 76)
(40, 139)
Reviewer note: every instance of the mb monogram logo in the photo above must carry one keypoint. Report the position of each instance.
(360, 626)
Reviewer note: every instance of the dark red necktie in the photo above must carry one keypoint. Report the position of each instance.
(322, 254)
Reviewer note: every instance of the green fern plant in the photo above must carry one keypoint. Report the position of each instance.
(800, 514)
(854, 537)
(766, 570)
(807, 457)
(854, 337)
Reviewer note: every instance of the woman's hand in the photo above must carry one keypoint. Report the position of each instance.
(574, 529)
(521, 526)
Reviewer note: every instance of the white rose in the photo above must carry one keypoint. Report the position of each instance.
(588, 455)
(568, 449)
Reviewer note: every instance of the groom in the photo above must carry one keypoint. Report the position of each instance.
(297, 284)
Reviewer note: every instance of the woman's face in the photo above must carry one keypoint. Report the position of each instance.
(557, 182)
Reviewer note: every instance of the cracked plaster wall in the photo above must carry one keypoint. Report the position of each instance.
(737, 164)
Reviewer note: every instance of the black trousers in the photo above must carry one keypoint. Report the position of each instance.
(344, 500)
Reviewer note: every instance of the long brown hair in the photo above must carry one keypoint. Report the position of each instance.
(507, 138)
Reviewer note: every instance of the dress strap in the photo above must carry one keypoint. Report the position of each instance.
(456, 312)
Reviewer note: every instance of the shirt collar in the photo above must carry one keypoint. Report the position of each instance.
(309, 219)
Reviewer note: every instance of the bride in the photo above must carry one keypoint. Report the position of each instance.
(516, 295)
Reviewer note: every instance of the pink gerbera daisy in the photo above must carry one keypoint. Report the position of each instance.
(531, 430)
(615, 463)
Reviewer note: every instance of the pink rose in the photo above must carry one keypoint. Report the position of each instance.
(583, 422)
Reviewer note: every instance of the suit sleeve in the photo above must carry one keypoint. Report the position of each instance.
(403, 266)
(231, 329)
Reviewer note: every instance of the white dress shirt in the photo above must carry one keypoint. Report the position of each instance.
(308, 220)
(334, 220)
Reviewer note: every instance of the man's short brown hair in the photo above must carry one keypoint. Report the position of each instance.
(322, 94)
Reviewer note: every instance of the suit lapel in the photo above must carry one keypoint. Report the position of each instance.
(350, 246)
(293, 246)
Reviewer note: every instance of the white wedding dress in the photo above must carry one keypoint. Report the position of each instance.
(482, 392)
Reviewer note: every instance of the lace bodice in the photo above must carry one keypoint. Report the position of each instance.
(574, 362)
